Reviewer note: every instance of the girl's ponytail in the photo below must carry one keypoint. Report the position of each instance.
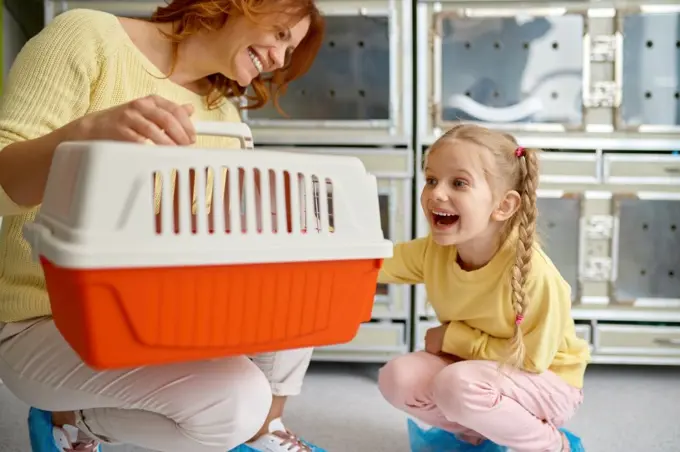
(526, 228)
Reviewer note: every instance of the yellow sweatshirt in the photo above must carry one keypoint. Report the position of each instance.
(82, 62)
(478, 307)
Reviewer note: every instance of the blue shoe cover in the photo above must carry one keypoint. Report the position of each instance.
(40, 431)
(575, 443)
(437, 440)
(242, 448)
(247, 448)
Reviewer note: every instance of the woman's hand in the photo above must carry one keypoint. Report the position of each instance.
(151, 118)
(434, 339)
(25, 165)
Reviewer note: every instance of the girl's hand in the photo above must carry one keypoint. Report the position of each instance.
(434, 339)
(151, 118)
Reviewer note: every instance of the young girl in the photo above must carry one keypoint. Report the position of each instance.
(501, 302)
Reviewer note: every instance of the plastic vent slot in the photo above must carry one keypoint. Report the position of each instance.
(182, 205)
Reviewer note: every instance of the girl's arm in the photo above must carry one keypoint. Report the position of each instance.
(406, 264)
(548, 314)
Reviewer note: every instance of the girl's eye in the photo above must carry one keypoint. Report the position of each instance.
(431, 181)
(459, 183)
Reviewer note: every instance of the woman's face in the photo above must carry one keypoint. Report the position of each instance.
(245, 49)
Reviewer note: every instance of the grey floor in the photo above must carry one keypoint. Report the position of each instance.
(626, 409)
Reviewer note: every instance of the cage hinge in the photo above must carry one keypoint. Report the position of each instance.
(603, 49)
(597, 269)
(599, 227)
(604, 94)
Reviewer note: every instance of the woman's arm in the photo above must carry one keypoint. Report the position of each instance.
(24, 166)
(48, 86)
(47, 102)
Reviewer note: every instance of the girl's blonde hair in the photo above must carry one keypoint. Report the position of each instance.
(518, 170)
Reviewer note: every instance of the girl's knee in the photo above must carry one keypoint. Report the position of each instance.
(394, 379)
(465, 387)
(406, 375)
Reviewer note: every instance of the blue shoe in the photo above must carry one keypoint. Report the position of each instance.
(45, 437)
(247, 448)
(575, 443)
(242, 448)
(438, 440)
(278, 439)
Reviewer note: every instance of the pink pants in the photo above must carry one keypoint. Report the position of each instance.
(472, 399)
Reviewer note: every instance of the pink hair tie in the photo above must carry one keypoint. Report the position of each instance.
(518, 319)
(519, 152)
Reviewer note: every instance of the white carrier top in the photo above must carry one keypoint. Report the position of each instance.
(124, 205)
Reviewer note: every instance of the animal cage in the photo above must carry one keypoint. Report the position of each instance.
(514, 68)
(650, 69)
(353, 91)
(552, 67)
(205, 253)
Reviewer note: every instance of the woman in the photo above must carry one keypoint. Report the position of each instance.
(90, 75)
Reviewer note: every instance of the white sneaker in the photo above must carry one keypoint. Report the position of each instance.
(67, 440)
(45, 437)
(279, 439)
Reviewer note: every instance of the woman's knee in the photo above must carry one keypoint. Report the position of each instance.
(236, 403)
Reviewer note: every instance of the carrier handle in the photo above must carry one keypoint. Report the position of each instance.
(238, 130)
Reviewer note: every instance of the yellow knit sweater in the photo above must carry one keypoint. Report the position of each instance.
(82, 62)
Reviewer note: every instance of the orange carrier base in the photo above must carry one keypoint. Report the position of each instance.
(126, 318)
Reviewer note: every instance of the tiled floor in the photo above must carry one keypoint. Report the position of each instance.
(626, 409)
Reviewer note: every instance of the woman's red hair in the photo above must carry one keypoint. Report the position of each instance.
(192, 16)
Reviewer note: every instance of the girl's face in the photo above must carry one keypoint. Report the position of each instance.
(243, 49)
(457, 199)
(461, 206)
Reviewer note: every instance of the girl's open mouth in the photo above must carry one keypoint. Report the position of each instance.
(444, 219)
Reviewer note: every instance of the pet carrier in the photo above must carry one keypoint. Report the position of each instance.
(159, 254)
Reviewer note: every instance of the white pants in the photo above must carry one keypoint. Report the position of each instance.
(207, 406)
